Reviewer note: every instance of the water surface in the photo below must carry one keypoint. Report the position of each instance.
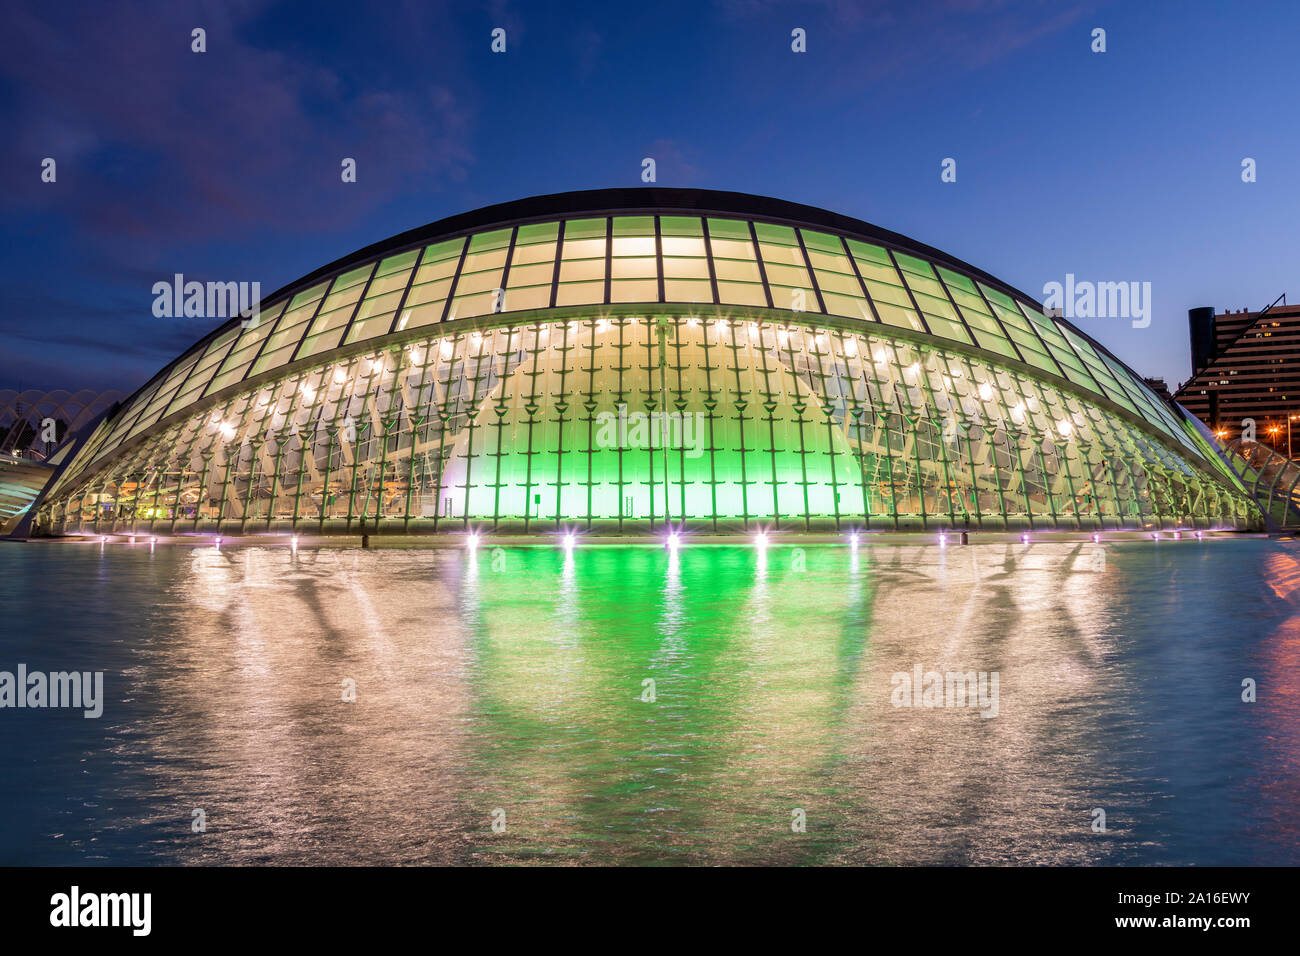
(515, 686)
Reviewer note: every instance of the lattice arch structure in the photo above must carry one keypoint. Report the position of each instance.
(633, 360)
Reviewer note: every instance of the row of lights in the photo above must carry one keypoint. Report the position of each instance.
(673, 541)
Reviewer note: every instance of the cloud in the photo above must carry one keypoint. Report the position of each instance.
(155, 141)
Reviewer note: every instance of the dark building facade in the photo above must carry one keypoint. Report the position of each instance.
(1245, 365)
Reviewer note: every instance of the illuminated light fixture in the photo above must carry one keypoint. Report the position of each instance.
(1024, 538)
(340, 375)
(1198, 536)
(471, 542)
(1178, 535)
(760, 539)
(943, 539)
(853, 541)
(132, 539)
(1096, 538)
(153, 541)
(1155, 535)
(986, 391)
(217, 544)
(673, 541)
(293, 542)
(227, 430)
(568, 542)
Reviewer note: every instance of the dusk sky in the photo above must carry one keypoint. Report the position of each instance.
(225, 165)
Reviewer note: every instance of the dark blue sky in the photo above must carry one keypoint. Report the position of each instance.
(1122, 166)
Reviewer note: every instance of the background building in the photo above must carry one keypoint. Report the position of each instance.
(1245, 365)
(632, 360)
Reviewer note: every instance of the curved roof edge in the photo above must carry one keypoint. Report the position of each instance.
(642, 200)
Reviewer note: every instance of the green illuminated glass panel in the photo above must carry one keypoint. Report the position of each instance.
(375, 316)
(634, 266)
(932, 299)
(841, 291)
(283, 342)
(582, 263)
(427, 297)
(735, 263)
(787, 274)
(481, 274)
(532, 268)
(885, 285)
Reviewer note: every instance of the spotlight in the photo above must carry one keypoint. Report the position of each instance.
(1024, 538)
(943, 539)
(853, 540)
(568, 542)
(673, 541)
(471, 542)
(760, 539)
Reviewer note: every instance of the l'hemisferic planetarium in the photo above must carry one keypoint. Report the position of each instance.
(639, 361)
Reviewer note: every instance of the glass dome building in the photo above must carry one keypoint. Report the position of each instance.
(635, 360)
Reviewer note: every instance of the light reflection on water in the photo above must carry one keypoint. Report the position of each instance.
(514, 680)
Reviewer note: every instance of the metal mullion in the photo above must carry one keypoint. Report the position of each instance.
(401, 303)
(455, 280)
(559, 256)
(609, 256)
(659, 256)
(708, 255)
(505, 271)
(812, 275)
(758, 257)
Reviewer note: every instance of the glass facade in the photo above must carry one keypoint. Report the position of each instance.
(629, 372)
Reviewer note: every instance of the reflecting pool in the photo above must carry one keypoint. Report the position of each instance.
(631, 705)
